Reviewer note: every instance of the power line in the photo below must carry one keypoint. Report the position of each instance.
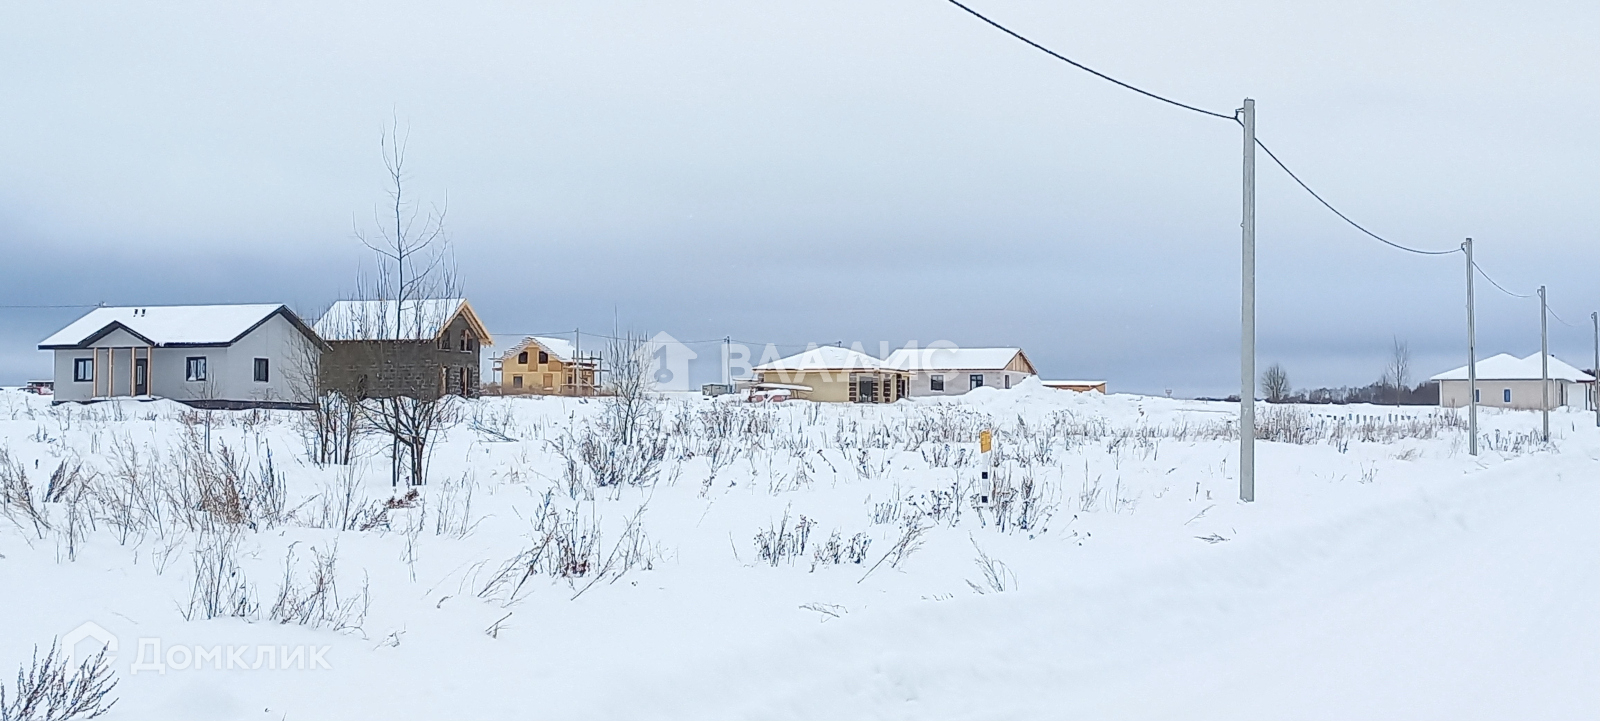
(1344, 217)
(1497, 285)
(1086, 68)
(30, 307)
(1202, 111)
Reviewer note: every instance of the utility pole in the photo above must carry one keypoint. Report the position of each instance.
(1247, 313)
(1472, 358)
(1544, 361)
(1594, 387)
(727, 360)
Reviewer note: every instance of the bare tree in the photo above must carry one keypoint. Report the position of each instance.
(414, 266)
(1275, 383)
(329, 427)
(1397, 374)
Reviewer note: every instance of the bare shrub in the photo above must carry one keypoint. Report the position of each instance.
(16, 496)
(566, 546)
(997, 576)
(219, 587)
(783, 542)
(912, 530)
(51, 689)
(836, 551)
(453, 507)
(312, 598)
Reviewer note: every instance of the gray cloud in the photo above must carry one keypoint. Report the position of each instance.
(822, 171)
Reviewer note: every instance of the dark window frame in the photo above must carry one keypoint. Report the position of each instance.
(1506, 397)
(544, 357)
(522, 358)
(974, 381)
(936, 382)
(79, 366)
(261, 370)
(189, 367)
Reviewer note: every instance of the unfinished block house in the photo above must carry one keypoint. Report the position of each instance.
(424, 348)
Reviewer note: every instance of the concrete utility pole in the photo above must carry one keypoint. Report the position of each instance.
(1594, 388)
(1544, 361)
(1247, 314)
(1472, 358)
(727, 360)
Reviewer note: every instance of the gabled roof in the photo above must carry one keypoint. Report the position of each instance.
(953, 359)
(1506, 367)
(561, 348)
(172, 325)
(416, 319)
(826, 357)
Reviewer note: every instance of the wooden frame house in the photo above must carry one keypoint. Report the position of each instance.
(547, 366)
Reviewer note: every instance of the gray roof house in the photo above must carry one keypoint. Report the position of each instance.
(208, 356)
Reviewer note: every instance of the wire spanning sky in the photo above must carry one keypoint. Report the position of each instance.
(825, 171)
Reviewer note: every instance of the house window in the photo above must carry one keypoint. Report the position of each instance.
(1008, 380)
(543, 357)
(936, 382)
(194, 368)
(1506, 396)
(974, 381)
(463, 342)
(262, 371)
(516, 381)
(522, 358)
(1477, 395)
(444, 340)
(83, 370)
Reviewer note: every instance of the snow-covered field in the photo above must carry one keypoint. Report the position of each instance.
(805, 561)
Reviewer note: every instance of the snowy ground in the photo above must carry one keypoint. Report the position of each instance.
(1382, 572)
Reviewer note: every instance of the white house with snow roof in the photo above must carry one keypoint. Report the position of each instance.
(1506, 381)
(215, 356)
(834, 375)
(954, 371)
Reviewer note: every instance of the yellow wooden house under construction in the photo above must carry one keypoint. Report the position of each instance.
(547, 366)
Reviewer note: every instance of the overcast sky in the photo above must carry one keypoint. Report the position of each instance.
(861, 170)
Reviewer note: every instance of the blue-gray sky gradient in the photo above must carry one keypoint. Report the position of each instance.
(826, 170)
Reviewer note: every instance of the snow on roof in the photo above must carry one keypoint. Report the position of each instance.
(951, 359)
(826, 357)
(561, 348)
(1507, 367)
(418, 319)
(167, 325)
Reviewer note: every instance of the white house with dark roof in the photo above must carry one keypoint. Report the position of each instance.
(954, 371)
(217, 356)
(1506, 381)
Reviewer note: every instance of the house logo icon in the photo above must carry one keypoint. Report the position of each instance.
(668, 363)
(91, 632)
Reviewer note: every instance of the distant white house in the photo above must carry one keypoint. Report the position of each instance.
(1507, 381)
(953, 371)
(212, 356)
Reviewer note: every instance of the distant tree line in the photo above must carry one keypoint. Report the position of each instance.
(1392, 388)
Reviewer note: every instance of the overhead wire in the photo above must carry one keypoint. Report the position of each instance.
(1086, 68)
